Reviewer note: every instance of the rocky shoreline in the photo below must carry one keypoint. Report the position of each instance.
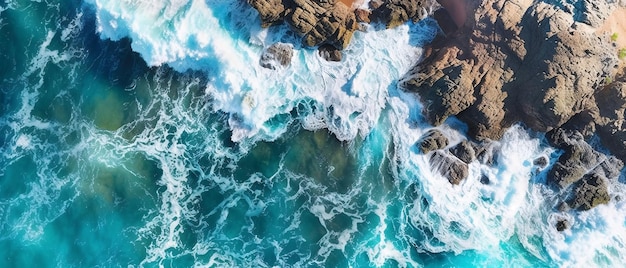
(555, 68)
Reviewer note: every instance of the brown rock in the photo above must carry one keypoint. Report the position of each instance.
(329, 53)
(464, 151)
(485, 76)
(270, 11)
(278, 54)
(449, 166)
(432, 140)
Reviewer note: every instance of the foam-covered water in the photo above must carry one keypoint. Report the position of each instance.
(144, 133)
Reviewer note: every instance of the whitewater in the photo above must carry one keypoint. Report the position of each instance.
(145, 133)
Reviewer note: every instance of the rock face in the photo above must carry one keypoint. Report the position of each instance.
(581, 170)
(432, 140)
(276, 55)
(331, 22)
(516, 61)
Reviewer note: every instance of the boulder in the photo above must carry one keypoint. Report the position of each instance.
(270, 11)
(276, 55)
(449, 166)
(581, 171)
(590, 192)
(464, 151)
(485, 75)
(432, 140)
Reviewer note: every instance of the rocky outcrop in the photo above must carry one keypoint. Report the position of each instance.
(432, 140)
(581, 173)
(318, 22)
(276, 55)
(464, 151)
(449, 166)
(396, 12)
(516, 61)
(331, 22)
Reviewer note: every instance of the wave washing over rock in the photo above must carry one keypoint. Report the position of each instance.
(298, 133)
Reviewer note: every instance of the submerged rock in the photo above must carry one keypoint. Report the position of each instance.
(516, 61)
(449, 166)
(581, 170)
(590, 192)
(278, 54)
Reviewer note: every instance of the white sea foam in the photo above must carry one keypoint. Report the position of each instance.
(347, 98)
(218, 37)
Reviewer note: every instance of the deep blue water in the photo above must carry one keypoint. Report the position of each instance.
(144, 133)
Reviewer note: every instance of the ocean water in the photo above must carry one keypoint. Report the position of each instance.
(145, 134)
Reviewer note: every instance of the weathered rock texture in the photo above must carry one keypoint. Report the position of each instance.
(526, 61)
(581, 173)
(276, 55)
(331, 22)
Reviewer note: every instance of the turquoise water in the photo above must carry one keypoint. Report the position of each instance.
(146, 134)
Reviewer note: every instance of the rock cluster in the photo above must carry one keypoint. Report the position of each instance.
(517, 61)
(581, 173)
(331, 22)
(452, 161)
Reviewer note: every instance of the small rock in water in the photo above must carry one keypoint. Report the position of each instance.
(541, 162)
(561, 225)
(278, 54)
(329, 53)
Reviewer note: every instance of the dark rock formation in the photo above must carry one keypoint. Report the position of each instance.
(590, 192)
(516, 61)
(329, 53)
(464, 151)
(561, 225)
(449, 166)
(582, 169)
(276, 55)
(318, 22)
(432, 140)
(396, 12)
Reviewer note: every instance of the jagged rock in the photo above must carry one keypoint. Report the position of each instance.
(487, 152)
(464, 151)
(590, 192)
(278, 54)
(432, 140)
(329, 53)
(449, 166)
(485, 75)
(318, 22)
(270, 11)
(578, 158)
(396, 12)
